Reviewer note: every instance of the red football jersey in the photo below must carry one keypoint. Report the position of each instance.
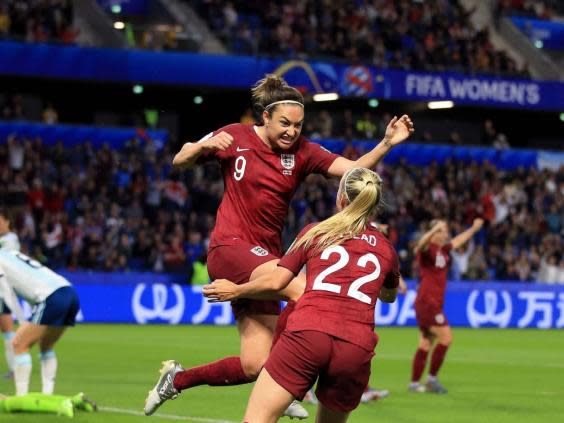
(343, 284)
(433, 269)
(259, 185)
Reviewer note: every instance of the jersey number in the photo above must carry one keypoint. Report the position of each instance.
(29, 261)
(354, 289)
(240, 165)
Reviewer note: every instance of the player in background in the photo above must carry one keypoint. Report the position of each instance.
(262, 167)
(35, 402)
(8, 241)
(330, 335)
(433, 257)
(55, 305)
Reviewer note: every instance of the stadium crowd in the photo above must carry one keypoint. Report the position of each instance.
(432, 35)
(37, 20)
(540, 9)
(110, 210)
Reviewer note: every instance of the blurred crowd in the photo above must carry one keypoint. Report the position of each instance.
(539, 9)
(110, 210)
(432, 35)
(37, 20)
(349, 125)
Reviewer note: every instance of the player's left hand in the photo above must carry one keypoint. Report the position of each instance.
(398, 130)
(220, 290)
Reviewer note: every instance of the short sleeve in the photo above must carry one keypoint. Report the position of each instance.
(428, 255)
(295, 260)
(212, 154)
(392, 278)
(317, 158)
(447, 248)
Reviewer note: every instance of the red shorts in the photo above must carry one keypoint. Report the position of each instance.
(299, 357)
(236, 262)
(429, 314)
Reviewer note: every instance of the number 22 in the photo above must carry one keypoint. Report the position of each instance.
(354, 289)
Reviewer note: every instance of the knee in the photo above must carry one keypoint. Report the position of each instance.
(19, 346)
(252, 368)
(425, 344)
(446, 339)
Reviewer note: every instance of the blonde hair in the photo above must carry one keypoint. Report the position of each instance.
(272, 89)
(362, 188)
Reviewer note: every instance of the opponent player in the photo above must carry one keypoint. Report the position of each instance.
(55, 307)
(262, 167)
(8, 241)
(433, 257)
(43, 403)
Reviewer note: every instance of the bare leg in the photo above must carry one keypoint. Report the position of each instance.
(256, 333)
(325, 415)
(7, 328)
(268, 400)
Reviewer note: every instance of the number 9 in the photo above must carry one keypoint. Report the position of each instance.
(240, 165)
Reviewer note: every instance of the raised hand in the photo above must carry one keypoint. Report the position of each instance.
(477, 224)
(398, 130)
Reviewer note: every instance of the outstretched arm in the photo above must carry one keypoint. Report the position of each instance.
(397, 131)
(223, 290)
(191, 151)
(423, 242)
(462, 238)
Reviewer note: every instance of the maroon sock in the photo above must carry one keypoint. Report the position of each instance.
(283, 321)
(225, 372)
(419, 362)
(437, 358)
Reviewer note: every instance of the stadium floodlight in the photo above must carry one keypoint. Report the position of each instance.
(373, 103)
(562, 117)
(326, 97)
(440, 105)
(198, 99)
(116, 8)
(138, 89)
(539, 44)
(119, 25)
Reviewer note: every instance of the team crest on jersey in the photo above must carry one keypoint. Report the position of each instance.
(440, 261)
(259, 251)
(288, 161)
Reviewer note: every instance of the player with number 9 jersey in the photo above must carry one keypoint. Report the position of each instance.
(330, 334)
(262, 167)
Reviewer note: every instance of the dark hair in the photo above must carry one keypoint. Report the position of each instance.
(270, 89)
(6, 213)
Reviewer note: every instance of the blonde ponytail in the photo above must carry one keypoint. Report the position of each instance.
(362, 189)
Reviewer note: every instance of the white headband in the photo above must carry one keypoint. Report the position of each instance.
(281, 102)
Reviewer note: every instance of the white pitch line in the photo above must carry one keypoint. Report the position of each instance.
(163, 416)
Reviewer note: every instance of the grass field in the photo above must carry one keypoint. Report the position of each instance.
(492, 376)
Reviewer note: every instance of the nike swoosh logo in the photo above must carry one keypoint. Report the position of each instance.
(242, 149)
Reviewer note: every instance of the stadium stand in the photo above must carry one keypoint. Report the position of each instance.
(431, 36)
(124, 209)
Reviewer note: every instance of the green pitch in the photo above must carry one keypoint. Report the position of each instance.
(492, 376)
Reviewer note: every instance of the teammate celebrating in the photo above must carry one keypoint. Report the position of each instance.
(330, 335)
(55, 307)
(433, 258)
(262, 167)
(8, 241)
